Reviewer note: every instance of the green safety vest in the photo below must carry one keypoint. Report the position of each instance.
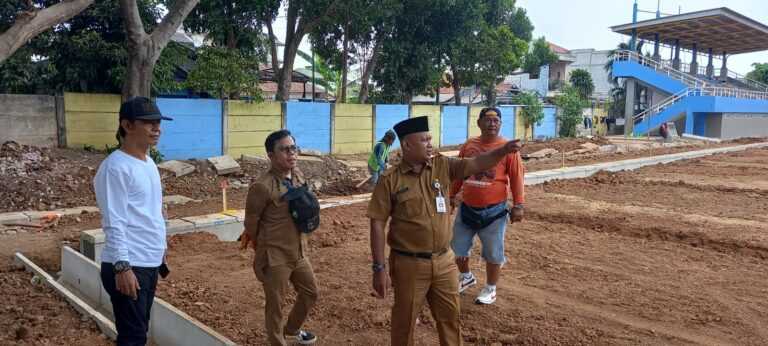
(373, 161)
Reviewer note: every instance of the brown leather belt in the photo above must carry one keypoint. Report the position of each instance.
(424, 255)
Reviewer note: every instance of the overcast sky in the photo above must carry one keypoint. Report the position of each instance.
(585, 23)
(577, 24)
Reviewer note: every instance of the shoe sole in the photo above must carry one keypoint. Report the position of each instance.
(467, 286)
(480, 302)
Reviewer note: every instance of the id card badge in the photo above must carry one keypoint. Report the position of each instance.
(439, 200)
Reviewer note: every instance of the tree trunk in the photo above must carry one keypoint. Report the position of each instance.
(364, 85)
(32, 23)
(490, 96)
(144, 49)
(286, 72)
(273, 48)
(456, 84)
(344, 64)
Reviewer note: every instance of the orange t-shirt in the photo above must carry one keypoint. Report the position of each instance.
(490, 187)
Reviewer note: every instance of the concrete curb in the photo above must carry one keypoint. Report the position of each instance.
(168, 325)
(105, 324)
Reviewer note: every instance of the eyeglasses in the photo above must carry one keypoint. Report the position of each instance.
(289, 149)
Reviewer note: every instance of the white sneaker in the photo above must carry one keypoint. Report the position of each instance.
(303, 338)
(466, 282)
(487, 296)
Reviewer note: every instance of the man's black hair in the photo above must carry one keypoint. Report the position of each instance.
(488, 109)
(273, 137)
(120, 135)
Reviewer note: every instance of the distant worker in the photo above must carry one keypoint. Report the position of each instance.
(412, 196)
(484, 208)
(276, 226)
(379, 158)
(130, 196)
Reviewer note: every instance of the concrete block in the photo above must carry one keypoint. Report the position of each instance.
(310, 159)
(105, 324)
(76, 211)
(37, 215)
(168, 325)
(176, 226)
(210, 220)
(238, 214)
(542, 153)
(589, 146)
(354, 164)
(13, 217)
(92, 243)
(225, 232)
(310, 152)
(178, 199)
(178, 168)
(224, 164)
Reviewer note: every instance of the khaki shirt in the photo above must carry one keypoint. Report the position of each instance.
(409, 198)
(269, 222)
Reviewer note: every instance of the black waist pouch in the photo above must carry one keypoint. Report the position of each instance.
(474, 220)
(304, 208)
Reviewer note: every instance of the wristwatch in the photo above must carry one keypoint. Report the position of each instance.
(378, 267)
(121, 266)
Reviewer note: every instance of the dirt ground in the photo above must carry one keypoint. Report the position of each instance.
(51, 178)
(673, 254)
(33, 314)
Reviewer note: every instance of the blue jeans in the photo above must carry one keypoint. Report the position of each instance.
(374, 176)
(491, 237)
(131, 316)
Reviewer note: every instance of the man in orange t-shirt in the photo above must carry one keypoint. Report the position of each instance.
(484, 207)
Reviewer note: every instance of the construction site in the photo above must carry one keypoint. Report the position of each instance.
(616, 249)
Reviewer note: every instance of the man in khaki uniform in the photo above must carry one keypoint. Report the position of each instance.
(414, 194)
(279, 246)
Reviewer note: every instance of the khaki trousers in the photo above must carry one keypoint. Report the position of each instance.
(415, 279)
(275, 280)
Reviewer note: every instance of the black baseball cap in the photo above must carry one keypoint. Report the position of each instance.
(141, 108)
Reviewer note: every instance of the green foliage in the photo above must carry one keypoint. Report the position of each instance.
(539, 55)
(226, 72)
(533, 112)
(329, 75)
(760, 73)
(570, 106)
(85, 54)
(582, 81)
(235, 24)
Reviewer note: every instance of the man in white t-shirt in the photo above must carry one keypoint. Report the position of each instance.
(130, 197)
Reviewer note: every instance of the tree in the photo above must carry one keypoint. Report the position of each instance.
(330, 76)
(225, 72)
(144, 49)
(484, 44)
(32, 19)
(760, 73)
(570, 106)
(539, 56)
(234, 24)
(532, 110)
(582, 81)
(301, 18)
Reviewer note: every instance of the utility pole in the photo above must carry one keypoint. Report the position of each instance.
(312, 48)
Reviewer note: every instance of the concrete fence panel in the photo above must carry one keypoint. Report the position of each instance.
(454, 125)
(196, 129)
(249, 124)
(508, 115)
(352, 128)
(433, 112)
(386, 118)
(548, 127)
(474, 114)
(91, 119)
(28, 119)
(310, 123)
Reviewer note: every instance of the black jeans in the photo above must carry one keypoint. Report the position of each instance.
(131, 316)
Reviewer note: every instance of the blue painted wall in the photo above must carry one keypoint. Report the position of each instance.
(508, 115)
(454, 125)
(386, 117)
(548, 126)
(310, 124)
(700, 124)
(196, 129)
(647, 75)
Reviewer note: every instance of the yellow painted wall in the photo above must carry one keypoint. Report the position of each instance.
(433, 112)
(520, 131)
(474, 114)
(352, 128)
(91, 119)
(249, 124)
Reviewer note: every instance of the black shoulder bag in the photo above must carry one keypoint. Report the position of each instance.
(304, 207)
